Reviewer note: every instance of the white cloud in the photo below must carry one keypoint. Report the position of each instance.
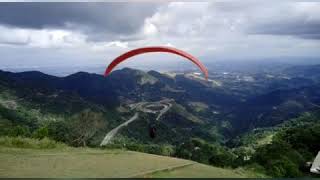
(44, 38)
(104, 46)
(219, 30)
(181, 19)
(149, 29)
(231, 29)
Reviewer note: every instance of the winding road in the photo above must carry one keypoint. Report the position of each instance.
(114, 131)
(145, 107)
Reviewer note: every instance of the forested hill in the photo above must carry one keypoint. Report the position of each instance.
(222, 117)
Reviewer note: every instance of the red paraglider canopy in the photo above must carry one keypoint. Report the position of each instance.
(143, 50)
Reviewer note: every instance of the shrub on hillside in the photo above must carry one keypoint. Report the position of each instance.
(22, 142)
(40, 133)
(165, 150)
(279, 159)
(201, 151)
(22, 131)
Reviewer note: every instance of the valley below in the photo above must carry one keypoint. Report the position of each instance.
(238, 119)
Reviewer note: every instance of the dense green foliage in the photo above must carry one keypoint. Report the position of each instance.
(279, 159)
(22, 142)
(291, 148)
(165, 150)
(201, 151)
(76, 130)
(214, 126)
(41, 133)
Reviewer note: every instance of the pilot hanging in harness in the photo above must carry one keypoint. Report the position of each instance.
(152, 131)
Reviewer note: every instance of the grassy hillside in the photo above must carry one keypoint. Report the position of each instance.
(63, 161)
(32, 101)
(200, 171)
(208, 125)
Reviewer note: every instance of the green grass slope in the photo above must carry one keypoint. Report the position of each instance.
(198, 170)
(65, 162)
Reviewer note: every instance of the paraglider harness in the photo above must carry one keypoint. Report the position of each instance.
(152, 131)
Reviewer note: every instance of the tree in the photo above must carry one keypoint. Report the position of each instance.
(40, 133)
(20, 131)
(279, 159)
(283, 168)
(59, 131)
(201, 151)
(84, 126)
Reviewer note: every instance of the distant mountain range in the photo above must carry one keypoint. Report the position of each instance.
(223, 112)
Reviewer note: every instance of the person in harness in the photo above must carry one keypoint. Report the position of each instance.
(152, 131)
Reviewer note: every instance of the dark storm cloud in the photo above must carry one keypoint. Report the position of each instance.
(94, 18)
(296, 19)
(302, 29)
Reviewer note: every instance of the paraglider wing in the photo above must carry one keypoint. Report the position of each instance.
(143, 50)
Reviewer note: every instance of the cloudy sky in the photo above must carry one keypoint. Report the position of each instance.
(55, 34)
